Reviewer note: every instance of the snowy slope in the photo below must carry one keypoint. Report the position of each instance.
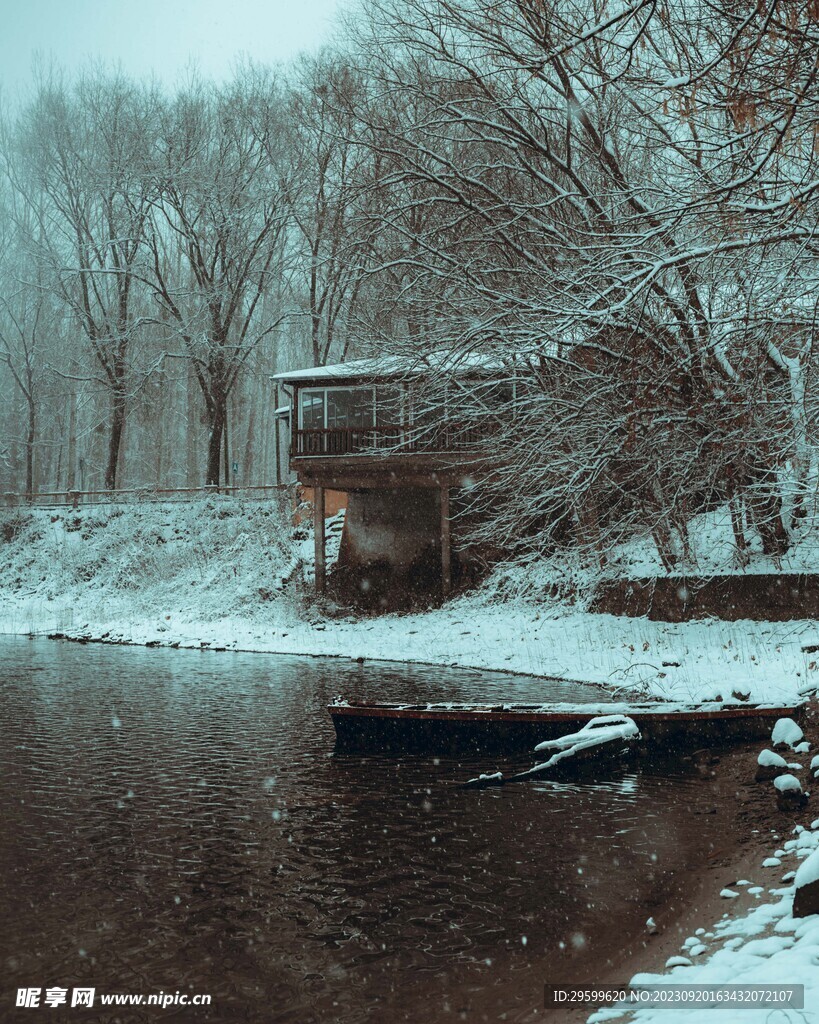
(233, 575)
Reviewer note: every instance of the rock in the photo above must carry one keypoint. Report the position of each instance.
(786, 733)
(789, 795)
(769, 765)
(806, 896)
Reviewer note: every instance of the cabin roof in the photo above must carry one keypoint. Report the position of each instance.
(391, 367)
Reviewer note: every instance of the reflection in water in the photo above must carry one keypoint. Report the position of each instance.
(177, 820)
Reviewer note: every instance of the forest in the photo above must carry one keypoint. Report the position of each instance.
(620, 198)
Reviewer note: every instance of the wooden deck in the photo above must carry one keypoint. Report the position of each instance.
(442, 438)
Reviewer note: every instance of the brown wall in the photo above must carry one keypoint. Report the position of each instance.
(765, 596)
(334, 501)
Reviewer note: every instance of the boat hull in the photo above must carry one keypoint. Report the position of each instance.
(398, 729)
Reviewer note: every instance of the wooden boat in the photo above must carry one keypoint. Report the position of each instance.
(479, 728)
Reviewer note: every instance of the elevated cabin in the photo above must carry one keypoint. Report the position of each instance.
(396, 436)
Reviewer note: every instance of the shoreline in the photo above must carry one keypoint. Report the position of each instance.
(704, 910)
(695, 901)
(702, 660)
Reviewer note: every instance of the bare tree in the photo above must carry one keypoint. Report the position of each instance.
(624, 200)
(335, 171)
(83, 149)
(217, 230)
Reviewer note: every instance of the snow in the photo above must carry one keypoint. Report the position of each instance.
(788, 784)
(393, 366)
(604, 729)
(678, 961)
(769, 759)
(598, 732)
(808, 871)
(786, 731)
(227, 573)
(762, 945)
(714, 552)
(728, 894)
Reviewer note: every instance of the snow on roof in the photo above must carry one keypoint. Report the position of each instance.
(394, 366)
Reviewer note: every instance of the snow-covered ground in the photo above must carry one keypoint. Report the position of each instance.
(227, 574)
(714, 551)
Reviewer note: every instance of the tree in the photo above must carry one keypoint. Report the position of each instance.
(217, 230)
(335, 172)
(624, 199)
(82, 151)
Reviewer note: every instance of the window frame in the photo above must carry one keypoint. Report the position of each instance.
(323, 391)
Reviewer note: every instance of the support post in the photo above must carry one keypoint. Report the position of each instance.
(318, 530)
(446, 550)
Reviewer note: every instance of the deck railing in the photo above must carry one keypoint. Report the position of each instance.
(440, 438)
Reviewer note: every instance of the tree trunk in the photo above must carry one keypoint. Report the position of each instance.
(227, 452)
(115, 437)
(191, 431)
(217, 427)
(71, 454)
(30, 438)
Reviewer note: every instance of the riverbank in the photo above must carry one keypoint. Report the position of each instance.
(703, 660)
(223, 573)
(730, 921)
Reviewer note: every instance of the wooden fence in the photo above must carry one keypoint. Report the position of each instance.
(134, 495)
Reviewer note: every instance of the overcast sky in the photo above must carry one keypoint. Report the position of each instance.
(157, 36)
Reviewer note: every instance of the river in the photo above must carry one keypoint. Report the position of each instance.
(178, 821)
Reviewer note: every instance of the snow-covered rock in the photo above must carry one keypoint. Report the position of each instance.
(789, 795)
(678, 961)
(786, 733)
(769, 765)
(806, 882)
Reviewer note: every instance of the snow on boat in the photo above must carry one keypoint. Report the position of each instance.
(609, 738)
(458, 728)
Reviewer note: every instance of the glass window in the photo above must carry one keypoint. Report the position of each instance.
(389, 405)
(312, 410)
(350, 407)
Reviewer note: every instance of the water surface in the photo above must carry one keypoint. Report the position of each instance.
(177, 820)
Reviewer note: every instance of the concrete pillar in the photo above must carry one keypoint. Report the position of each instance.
(318, 530)
(446, 550)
